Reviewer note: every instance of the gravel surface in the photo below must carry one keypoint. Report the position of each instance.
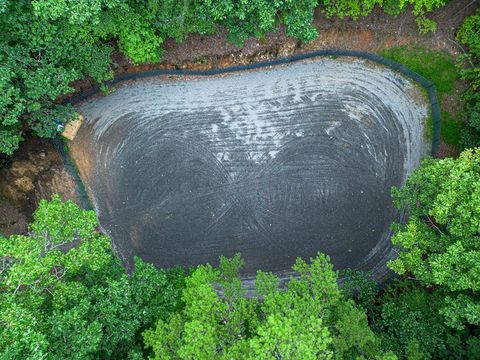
(275, 164)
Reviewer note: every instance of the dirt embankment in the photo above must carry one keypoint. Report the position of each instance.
(373, 33)
(37, 171)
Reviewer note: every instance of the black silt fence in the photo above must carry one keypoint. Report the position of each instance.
(72, 170)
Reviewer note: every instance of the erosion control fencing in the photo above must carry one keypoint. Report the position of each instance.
(71, 168)
(425, 83)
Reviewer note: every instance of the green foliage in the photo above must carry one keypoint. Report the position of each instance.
(420, 8)
(471, 133)
(48, 44)
(411, 326)
(451, 130)
(176, 19)
(11, 108)
(255, 18)
(440, 243)
(63, 294)
(308, 320)
(39, 59)
(349, 8)
(438, 67)
(469, 35)
(361, 287)
(357, 8)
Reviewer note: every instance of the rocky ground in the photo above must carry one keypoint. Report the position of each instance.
(36, 171)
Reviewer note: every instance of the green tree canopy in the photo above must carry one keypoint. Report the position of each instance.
(48, 44)
(64, 295)
(310, 319)
(469, 35)
(357, 8)
(440, 244)
(410, 324)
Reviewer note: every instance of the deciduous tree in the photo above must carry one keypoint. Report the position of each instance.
(64, 295)
(440, 244)
(310, 319)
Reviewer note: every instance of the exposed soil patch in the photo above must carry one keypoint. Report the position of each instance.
(446, 150)
(12, 220)
(81, 154)
(35, 173)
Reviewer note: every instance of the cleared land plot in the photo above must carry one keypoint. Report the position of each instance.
(275, 164)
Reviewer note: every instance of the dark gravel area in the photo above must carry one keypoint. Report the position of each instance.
(275, 164)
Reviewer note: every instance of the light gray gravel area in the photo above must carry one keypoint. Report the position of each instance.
(276, 164)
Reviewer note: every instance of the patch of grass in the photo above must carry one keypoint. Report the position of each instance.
(438, 67)
(429, 128)
(66, 147)
(441, 69)
(451, 130)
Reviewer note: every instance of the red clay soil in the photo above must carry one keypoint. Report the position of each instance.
(36, 171)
